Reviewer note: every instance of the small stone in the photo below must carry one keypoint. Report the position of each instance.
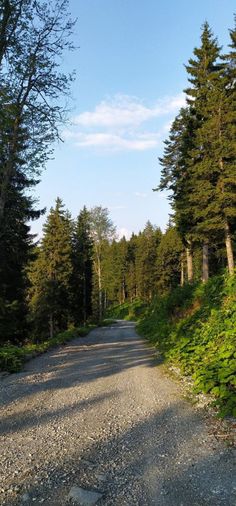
(84, 497)
(101, 477)
(25, 497)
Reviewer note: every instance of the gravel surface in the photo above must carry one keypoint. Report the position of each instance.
(100, 415)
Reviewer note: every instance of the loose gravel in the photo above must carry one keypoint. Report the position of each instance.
(99, 420)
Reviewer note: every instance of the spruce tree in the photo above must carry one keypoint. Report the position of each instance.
(50, 275)
(175, 176)
(146, 257)
(212, 170)
(81, 280)
(168, 262)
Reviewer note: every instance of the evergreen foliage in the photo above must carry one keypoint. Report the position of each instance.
(33, 37)
(50, 275)
(82, 260)
(198, 165)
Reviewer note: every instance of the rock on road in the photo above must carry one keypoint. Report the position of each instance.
(101, 414)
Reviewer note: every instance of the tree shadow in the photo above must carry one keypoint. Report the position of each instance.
(163, 460)
(26, 419)
(84, 360)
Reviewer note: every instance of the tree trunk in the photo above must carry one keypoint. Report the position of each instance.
(182, 272)
(9, 168)
(229, 249)
(189, 255)
(205, 262)
(84, 299)
(51, 325)
(123, 291)
(99, 290)
(105, 299)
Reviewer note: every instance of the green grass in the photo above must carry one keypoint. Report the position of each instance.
(195, 328)
(130, 311)
(13, 357)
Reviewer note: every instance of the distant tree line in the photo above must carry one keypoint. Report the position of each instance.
(79, 268)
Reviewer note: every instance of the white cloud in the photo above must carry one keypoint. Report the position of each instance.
(116, 124)
(123, 111)
(113, 141)
(115, 208)
(123, 232)
(140, 194)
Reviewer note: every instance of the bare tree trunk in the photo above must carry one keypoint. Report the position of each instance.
(123, 291)
(228, 240)
(182, 272)
(205, 262)
(105, 299)
(51, 325)
(229, 249)
(189, 255)
(99, 289)
(84, 300)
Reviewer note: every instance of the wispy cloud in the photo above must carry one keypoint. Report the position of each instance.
(123, 232)
(123, 110)
(122, 123)
(141, 194)
(115, 142)
(116, 208)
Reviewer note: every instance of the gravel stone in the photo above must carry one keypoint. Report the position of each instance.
(25, 498)
(84, 497)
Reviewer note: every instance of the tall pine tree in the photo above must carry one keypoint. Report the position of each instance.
(50, 276)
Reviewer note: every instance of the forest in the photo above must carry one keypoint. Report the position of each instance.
(79, 271)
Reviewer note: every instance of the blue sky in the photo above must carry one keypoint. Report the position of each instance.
(130, 77)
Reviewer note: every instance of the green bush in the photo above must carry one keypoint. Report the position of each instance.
(13, 357)
(127, 311)
(195, 328)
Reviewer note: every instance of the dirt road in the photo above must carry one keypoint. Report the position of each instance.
(101, 414)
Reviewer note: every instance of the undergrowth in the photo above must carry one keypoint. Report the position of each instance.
(195, 328)
(130, 311)
(13, 357)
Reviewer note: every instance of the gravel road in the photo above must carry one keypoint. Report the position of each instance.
(101, 414)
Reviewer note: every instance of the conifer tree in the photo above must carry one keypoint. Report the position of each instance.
(81, 281)
(212, 171)
(33, 36)
(131, 277)
(146, 257)
(50, 275)
(175, 176)
(168, 263)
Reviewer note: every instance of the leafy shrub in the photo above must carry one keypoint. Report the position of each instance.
(195, 327)
(127, 311)
(13, 357)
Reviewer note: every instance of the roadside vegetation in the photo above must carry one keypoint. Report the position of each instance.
(195, 328)
(12, 357)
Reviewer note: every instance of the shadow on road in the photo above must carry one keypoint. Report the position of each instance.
(81, 361)
(156, 462)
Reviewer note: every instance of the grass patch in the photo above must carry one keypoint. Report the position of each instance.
(130, 311)
(13, 357)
